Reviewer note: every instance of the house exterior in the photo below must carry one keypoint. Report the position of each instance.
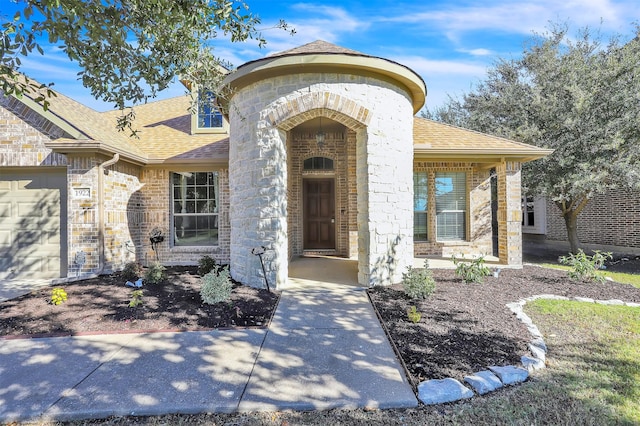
(320, 153)
(610, 222)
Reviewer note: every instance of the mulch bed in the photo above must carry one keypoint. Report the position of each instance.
(101, 305)
(466, 327)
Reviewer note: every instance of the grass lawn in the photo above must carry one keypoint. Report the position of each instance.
(594, 359)
(621, 277)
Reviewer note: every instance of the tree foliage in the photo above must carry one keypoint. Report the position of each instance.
(579, 96)
(128, 50)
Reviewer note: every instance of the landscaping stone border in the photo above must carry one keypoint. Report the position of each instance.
(432, 392)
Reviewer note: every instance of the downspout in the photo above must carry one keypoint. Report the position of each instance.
(101, 220)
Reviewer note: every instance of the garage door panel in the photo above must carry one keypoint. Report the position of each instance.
(25, 240)
(29, 210)
(52, 237)
(5, 238)
(32, 234)
(30, 264)
(5, 209)
(5, 261)
(52, 265)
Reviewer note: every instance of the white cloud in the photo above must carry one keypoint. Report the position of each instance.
(428, 67)
(477, 52)
(520, 17)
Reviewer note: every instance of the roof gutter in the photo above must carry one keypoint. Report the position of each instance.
(93, 147)
(482, 155)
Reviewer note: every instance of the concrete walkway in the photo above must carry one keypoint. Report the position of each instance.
(10, 289)
(323, 349)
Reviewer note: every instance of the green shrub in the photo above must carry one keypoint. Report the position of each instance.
(584, 267)
(472, 271)
(207, 264)
(413, 314)
(216, 287)
(136, 298)
(418, 283)
(132, 271)
(58, 295)
(154, 273)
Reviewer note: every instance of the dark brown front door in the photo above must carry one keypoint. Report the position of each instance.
(319, 214)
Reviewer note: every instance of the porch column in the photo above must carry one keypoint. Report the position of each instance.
(509, 213)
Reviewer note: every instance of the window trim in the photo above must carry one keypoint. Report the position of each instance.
(424, 212)
(465, 212)
(539, 213)
(195, 116)
(431, 208)
(172, 213)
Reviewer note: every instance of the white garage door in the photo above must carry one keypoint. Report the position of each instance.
(32, 206)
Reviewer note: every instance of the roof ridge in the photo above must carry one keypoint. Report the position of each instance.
(315, 47)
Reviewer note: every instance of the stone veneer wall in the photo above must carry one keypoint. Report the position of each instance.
(611, 219)
(479, 233)
(262, 113)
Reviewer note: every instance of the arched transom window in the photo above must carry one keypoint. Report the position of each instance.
(318, 163)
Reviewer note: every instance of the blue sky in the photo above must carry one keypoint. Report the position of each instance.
(449, 43)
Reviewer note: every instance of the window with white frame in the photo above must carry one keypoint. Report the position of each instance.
(420, 203)
(195, 199)
(533, 214)
(451, 206)
(209, 115)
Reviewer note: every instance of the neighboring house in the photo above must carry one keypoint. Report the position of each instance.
(610, 222)
(321, 153)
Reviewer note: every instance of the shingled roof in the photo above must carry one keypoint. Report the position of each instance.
(83, 125)
(316, 47)
(435, 139)
(164, 133)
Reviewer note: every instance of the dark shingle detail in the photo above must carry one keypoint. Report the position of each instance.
(317, 47)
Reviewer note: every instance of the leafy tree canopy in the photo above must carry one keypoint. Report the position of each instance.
(577, 95)
(128, 50)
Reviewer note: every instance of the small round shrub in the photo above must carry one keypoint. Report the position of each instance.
(418, 283)
(472, 271)
(216, 287)
(154, 273)
(58, 295)
(132, 271)
(207, 264)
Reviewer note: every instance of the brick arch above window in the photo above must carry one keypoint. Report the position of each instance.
(320, 104)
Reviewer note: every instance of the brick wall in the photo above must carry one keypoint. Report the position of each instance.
(133, 200)
(154, 197)
(303, 145)
(479, 235)
(612, 219)
(23, 134)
